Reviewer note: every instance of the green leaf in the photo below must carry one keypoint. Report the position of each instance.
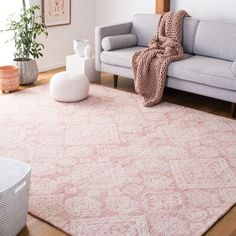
(26, 28)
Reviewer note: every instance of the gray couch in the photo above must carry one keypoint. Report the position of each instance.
(207, 69)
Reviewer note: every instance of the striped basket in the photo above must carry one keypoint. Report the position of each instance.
(9, 78)
(14, 196)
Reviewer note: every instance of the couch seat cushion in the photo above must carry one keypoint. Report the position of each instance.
(123, 57)
(204, 70)
(120, 57)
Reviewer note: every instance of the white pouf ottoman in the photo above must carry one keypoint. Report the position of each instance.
(69, 87)
(14, 196)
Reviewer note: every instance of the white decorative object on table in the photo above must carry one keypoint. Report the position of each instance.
(85, 66)
(14, 196)
(69, 87)
(79, 46)
(88, 51)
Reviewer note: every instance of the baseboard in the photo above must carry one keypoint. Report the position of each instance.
(52, 66)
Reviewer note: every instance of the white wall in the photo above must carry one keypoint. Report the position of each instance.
(59, 42)
(208, 9)
(115, 11)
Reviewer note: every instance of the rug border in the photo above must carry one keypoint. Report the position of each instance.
(122, 91)
(205, 232)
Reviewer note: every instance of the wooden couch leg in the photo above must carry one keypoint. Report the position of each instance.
(115, 77)
(233, 110)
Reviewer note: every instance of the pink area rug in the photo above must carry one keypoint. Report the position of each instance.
(109, 166)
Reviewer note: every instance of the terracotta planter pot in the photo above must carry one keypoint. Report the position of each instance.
(28, 70)
(9, 78)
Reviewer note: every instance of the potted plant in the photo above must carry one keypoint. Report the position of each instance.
(26, 29)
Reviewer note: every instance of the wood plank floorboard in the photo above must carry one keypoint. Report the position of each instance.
(226, 226)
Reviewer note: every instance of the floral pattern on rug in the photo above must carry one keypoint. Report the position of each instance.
(109, 166)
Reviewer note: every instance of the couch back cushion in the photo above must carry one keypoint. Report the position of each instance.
(189, 33)
(216, 39)
(145, 27)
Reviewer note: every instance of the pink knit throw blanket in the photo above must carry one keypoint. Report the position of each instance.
(150, 65)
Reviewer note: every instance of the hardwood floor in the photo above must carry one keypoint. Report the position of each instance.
(224, 227)
(36, 227)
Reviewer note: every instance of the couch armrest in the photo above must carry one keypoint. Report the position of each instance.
(104, 31)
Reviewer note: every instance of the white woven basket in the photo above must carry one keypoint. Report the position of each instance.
(14, 196)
